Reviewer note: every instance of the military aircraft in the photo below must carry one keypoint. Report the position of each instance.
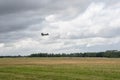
(44, 34)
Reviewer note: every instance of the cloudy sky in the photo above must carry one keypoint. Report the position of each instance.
(73, 25)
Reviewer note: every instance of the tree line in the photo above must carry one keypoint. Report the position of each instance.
(108, 53)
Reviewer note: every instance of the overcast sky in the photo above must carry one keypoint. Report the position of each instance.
(73, 25)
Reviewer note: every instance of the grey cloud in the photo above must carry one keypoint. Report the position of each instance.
(15, 23)
(15, 6)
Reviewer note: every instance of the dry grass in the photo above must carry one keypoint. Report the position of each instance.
(38, 61)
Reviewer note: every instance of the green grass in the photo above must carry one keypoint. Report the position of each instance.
(59, 69)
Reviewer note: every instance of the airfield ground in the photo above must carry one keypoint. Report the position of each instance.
(70, 68)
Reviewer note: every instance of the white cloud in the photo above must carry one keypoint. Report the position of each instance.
(2, 45)
(50, 18)
(98, 20)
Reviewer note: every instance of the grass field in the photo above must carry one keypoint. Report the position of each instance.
(59, 68)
